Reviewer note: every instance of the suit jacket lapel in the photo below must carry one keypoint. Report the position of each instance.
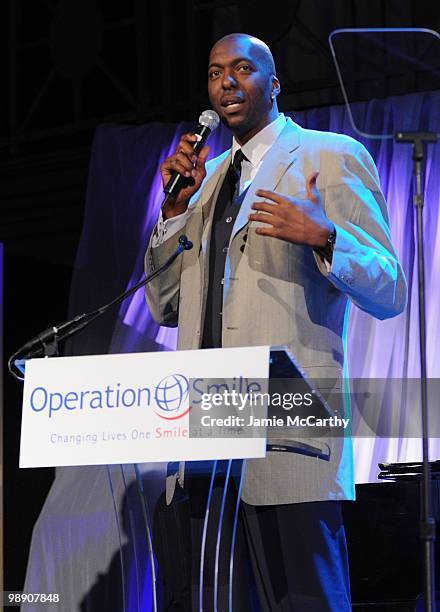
(277, 160)
(201, 203)
(202, 217)
(212, 186)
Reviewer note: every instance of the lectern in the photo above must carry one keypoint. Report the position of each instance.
(135, 409)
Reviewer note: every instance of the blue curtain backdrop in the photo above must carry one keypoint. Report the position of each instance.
(123, 201)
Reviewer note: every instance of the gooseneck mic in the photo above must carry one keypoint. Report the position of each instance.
(46, 342)
(208, 121)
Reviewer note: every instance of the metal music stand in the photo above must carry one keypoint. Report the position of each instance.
(369, 62)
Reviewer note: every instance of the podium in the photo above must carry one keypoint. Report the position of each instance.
(218, 471)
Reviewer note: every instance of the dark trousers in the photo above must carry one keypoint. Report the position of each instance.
(287, 558)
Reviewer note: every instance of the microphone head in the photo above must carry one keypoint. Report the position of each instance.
(185, 243)
(209, 119)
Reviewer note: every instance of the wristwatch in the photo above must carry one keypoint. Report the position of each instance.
(326, 252)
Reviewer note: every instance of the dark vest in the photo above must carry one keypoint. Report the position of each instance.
(225, 212)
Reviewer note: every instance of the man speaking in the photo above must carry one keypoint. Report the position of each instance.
(288, 226)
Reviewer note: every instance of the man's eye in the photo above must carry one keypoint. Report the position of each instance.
(245, 67)
(213, 74)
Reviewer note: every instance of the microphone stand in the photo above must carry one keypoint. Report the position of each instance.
(427, 523)
(45, 344)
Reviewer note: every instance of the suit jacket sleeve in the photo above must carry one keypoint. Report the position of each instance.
(163, 292)
(364, 263)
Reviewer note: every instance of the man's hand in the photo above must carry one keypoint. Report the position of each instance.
(298, 221)
(188, 165)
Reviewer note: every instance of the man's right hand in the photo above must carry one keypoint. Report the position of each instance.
(188, 165)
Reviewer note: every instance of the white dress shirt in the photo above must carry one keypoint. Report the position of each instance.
(255, 150)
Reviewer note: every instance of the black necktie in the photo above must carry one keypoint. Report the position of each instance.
(225, 213)
(234, 172)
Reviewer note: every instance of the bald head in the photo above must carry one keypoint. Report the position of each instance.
(257, 46)
(242, 84)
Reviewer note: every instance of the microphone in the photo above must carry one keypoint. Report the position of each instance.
(208, 121)
(46, 342)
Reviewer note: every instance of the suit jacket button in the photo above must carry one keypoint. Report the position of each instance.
(228, 219)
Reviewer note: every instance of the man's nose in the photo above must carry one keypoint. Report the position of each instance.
(228, 81)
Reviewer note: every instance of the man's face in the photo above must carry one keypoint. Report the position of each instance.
(240, 87)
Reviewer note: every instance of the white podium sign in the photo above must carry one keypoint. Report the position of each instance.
(130, 408)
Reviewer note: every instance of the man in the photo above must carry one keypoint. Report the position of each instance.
(285, 233)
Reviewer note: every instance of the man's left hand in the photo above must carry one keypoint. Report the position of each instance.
(293, 220)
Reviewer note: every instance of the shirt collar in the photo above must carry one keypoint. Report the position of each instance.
(257, 147)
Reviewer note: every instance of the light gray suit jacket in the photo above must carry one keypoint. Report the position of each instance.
(278, 293)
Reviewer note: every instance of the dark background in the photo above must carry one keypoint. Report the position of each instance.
(68, 65)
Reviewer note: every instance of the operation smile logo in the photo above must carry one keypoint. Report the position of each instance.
(168, 398)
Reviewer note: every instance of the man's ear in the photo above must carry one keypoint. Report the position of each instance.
(276, 87)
